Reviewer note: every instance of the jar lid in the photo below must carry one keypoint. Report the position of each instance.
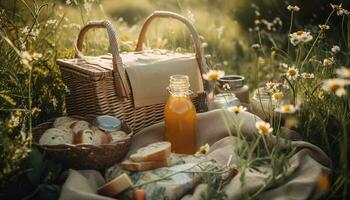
(108, 123)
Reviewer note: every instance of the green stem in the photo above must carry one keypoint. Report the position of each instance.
(318, 36)
(290, 29)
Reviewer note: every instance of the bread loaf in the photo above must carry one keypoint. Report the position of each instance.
(89, 136)
(80, 125)
(64, 122)
(118, 135)
(55, 136)
(142, 166)
(105, 138)
(158, 151)
(115, 186)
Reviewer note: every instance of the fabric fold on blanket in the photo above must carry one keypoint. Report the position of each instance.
(307, 165)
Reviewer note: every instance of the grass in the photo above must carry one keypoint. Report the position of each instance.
(31, 89)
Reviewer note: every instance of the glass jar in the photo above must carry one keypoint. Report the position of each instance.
(262, 104)
(224, 100)
(180, 116)
(236, 83)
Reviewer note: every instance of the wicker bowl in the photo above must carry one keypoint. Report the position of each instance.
(84, 156)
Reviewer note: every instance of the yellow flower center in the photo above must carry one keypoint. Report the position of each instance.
(292, 72)
(278, 96)
(307, 75)
(286, 107)
(299, 33)
(334, 87)
(264, 129)
(213, 77)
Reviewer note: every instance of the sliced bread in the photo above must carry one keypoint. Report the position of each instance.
(153, 152)
(90, 136)
(80, 125)
(63, 122)
(146, 165)
(55, 136)
(115, 186)
(84, 137)
(118, 135)
(105, 138)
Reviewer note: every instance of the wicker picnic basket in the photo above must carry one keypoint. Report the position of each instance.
(84, 156)
(97, 88)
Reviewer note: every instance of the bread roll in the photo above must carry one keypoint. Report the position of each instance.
(115, 186)
(55, 136)
(154, 152)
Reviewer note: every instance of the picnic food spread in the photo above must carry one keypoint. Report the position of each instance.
(69, 130)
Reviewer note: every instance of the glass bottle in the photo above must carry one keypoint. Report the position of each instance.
(180, 116)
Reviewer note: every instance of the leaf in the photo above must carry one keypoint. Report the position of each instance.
(35, 162)
(8, 99)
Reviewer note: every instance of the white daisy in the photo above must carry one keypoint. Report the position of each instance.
(328, 61)
(306, 75)
(213, 75)
(237, 109)
(263, 127)
(336, 86)
(292, 73)
(277, 96)
(335, 49)
(343, 72)
(286, 108)
(293, 8)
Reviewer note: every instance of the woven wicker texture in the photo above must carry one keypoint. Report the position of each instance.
(96, 88)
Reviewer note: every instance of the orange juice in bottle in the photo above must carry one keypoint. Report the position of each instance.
(180, 116)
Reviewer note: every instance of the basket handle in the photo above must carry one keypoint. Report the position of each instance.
(119, 71)
(195, 37)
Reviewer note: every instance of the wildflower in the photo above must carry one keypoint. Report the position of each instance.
(25, 30)
(293, 8)
(261, 61)
(256, 46)
(202, 150)
(204, 45)
(263, 127)
(273, 54)
(213, 75)
(14, 121)
(286, 108)
(284, 65)
(328, 61)
(226, 86)
(336, 86)
(340, 11)
(320, 95)
(68, 2)
(257, 22)
(237, 109)
(306, 75)
(272, 87)
(335, 49)
(292, 73)
(343, 72)
(300, 36)
(277, 96)
(190, 16)
(324, 27)
(225, 63)
(66, 89)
